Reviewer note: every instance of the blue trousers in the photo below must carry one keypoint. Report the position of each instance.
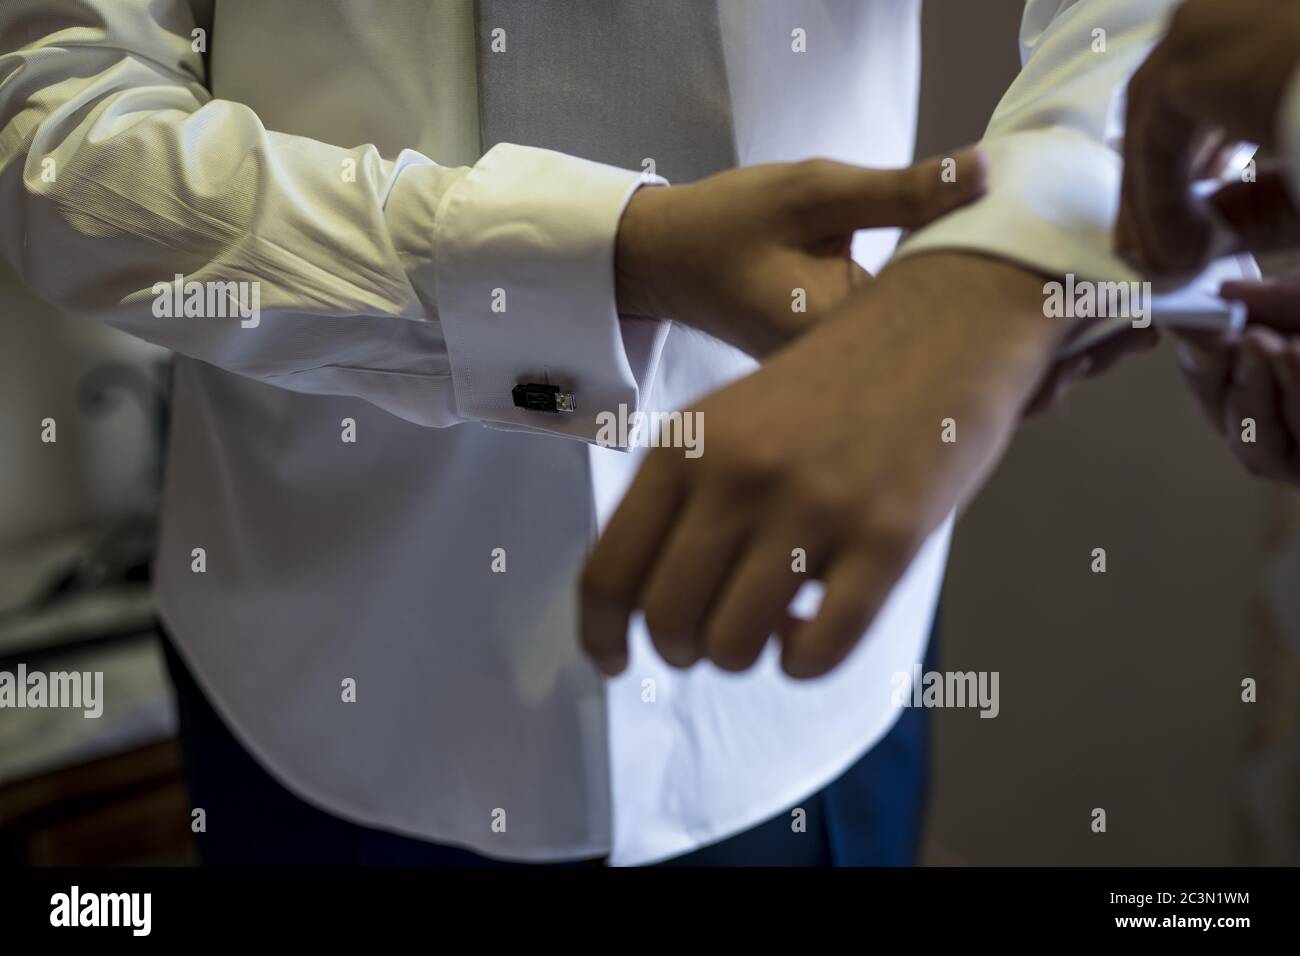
(871, 815)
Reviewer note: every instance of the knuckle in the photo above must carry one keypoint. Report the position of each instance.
(752, 470)
(815, 498)
(814, 169)
(810, 181)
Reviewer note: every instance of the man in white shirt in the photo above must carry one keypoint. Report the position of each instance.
(1226, 73)
(376, 510)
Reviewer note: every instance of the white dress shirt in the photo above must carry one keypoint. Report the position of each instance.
(372, 560)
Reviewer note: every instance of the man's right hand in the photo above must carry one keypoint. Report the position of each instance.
(1223, 69)
(1254, 376)
(729, 254)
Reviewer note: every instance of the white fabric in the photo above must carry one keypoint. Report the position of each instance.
(372, 560)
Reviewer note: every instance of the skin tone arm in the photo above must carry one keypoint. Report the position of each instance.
(834, 446)
(726, 253)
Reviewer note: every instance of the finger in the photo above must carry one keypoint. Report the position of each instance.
(1287, 372)
(611, 579)
(1058, 380)
(856, 587)
(688, 573)
(1260, 214)
(1206, 361)
(1274, 303)
(1137, 113)
(1096, 360)
(1109, 351)
(844, 198)
(1161, 229)
(1254, 395)
(754, 604)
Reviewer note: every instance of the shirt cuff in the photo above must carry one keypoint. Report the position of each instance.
(1051, 204)
(523, 268)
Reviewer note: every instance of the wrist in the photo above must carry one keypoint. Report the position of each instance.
(996, 304)
(638, 249)
(984, 319)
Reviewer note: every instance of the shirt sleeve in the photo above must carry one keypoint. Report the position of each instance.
(427, 290)
(1053, 143)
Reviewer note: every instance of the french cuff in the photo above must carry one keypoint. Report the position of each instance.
(1288, 135)
(523, 265)
(1051, 204)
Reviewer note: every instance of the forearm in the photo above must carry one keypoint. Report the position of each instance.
(357, 275)
(971, 290)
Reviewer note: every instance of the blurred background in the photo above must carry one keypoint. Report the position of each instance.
(77, 528)
(1119, 691)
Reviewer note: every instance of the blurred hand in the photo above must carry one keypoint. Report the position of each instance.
(1219, 75)
(1254, 376)
(727, 253)
(834, 446)
(1065, 373)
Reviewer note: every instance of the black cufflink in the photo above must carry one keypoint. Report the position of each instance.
(542, 398)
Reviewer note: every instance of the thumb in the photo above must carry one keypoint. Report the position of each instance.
(858, 198)
(1271, 302)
